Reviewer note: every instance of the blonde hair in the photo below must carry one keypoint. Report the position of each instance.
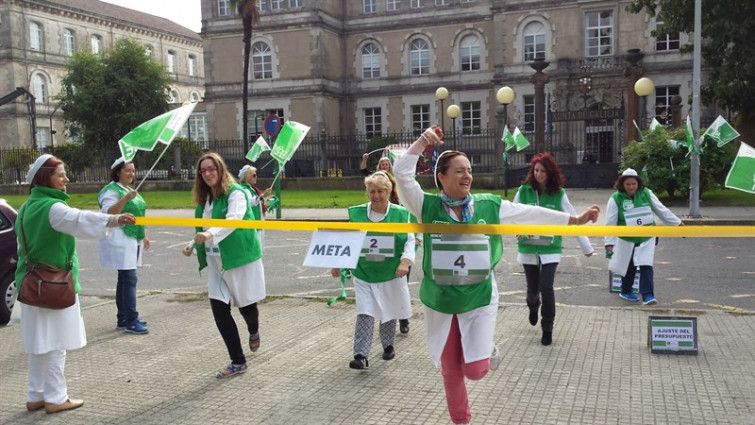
(201, 193)
(245, 177)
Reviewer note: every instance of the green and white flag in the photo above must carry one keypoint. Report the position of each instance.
(508, 138)
(520, 141)
(163, 129)
(288, 140)
(639, 132)
(654, 124)
(258, 147)
(394, 153)
(742, 173)
(721, 132)
(689, 138)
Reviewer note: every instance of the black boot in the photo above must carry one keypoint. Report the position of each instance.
(359, 362)
(534, 309)
(547, 338)
(403, 326)
(389, 353)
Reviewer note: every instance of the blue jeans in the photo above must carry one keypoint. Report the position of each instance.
(646, 279)
(125, 297)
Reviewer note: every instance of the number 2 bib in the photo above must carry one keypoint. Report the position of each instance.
(378, 248)
(460, 259)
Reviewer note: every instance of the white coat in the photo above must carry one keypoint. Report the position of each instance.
(118, 251)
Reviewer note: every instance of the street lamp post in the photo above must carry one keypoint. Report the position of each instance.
(643, 88)
(441, 94)
(504, 96)
(52, 129)
(453, 112)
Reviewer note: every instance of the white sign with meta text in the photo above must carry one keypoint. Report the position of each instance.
(334, 249)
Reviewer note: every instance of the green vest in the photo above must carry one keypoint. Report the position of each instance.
(624, 203)
(454, 299)
(135, 206)
(45, 243)
(257, 209)
(380, 271)
(239, 248)
(552, 201)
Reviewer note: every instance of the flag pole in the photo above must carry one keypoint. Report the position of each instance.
(276, 177)
(153, 167)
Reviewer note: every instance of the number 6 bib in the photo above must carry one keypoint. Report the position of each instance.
(460, 259)
(639, 216)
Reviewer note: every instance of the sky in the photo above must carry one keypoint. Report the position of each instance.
(185, 12)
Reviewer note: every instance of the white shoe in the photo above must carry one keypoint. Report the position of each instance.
(495, 361)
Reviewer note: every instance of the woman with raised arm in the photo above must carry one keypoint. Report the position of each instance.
(458, 290)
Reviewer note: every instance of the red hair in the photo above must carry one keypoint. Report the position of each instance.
(43, 177)
(555, 176)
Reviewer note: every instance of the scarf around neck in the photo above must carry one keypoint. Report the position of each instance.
(466, 211)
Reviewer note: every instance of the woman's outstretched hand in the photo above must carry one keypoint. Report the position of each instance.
(433, 136)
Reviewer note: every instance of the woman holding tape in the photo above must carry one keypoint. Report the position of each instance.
(633, 204)
(234, 257)
(380, 285)
(540, 255)
(458, 290)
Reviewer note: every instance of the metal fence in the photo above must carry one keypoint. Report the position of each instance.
(319, 155)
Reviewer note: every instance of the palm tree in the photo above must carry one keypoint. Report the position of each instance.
(250, 15)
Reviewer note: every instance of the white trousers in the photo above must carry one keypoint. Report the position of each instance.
(46, 379)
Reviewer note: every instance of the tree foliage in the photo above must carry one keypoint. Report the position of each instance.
(668, 167)
(103, 97)
(727, 50)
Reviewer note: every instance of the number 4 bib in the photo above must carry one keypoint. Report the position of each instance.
(460, 259)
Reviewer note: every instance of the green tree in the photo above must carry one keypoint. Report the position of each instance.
(103, 97)
(668, 164)
(728, 51)
(250, 15)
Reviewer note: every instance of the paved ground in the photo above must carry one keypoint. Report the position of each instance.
(598, 371)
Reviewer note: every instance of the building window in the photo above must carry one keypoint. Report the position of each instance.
(529, 112)
(276, 4)
(262, 61)
(470, 53)
(415, 4)
(35, 36)
(441, 2)
(419, 57)
(197, 129)
(261, 5)
(69, 42)
(39, 84)
(534, 41)
(171, 61)
(599, 33)
(392, 5)
(373, 122)
(370, 61)
(294, 4)
(173, 96)
(43, 137)
(466, 1)
(663, 97)
(667, 42)
(224, 8)
(369, 6)
(471, 118)
(95, 43)
(420, 118)
(194, 97)
(192, 65)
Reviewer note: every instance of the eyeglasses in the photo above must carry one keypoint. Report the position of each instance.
(254, 175)
(208, 170)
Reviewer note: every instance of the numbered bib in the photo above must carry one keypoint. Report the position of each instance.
(378, 248)
(460, 259)
(639, 216)
(538, 240)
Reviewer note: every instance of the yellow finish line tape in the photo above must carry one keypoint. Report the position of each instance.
(488, 229)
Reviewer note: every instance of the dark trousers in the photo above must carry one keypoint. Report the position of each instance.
(125, 297)
(228, 330)
(646, 278)
(540, 284)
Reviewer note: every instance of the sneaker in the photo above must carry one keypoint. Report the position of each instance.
(231, 370)
(403, 326)
(121, 326)
(137, 328)
(649, 299)
(533, 314)
(495, 360)
(389, 353)
(547, 338)
(254, 342)
(359, 362)
(629, 297)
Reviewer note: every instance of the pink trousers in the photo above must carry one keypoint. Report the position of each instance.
(454, 370)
